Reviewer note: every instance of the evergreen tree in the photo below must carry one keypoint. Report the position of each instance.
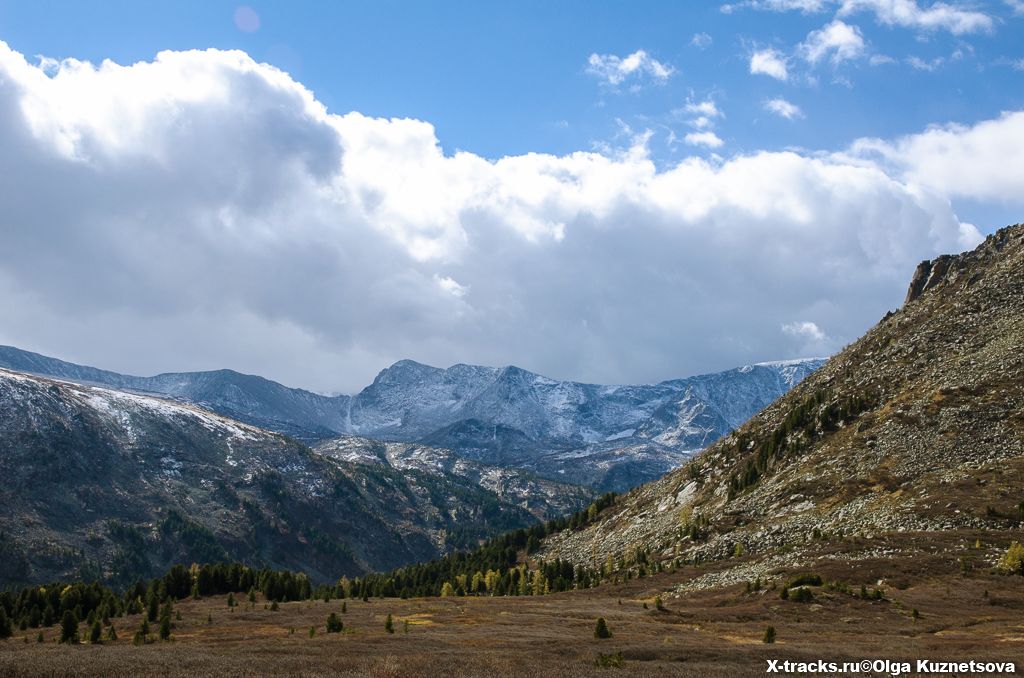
(165, 627)
(344, 607)
(69, 627)
(601, 629)
(769, 635)
(96, 633)
(111, 633)
(389, 625)
(334, 625)
(231, 600)
(5, 624)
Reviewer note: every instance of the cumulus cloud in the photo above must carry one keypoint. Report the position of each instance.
(838, 41)
(1016, 6)
(202, 210)
(708, 139)
(978, 161)
(614, 70)
(783, 108)
(955, 18)
(769, 62)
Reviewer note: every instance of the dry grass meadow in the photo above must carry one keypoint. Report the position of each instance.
(978, 616)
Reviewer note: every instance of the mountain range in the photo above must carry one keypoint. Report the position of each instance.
(113, 485)
(605, 437)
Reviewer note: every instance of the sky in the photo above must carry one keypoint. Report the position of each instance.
(608, 192)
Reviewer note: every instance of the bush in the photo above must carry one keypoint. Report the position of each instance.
(769, 635)
(601, 629)
(609, 661)
(1012, 561)
(802, 594)
(805, 579)
(389, 625)
(334, 625)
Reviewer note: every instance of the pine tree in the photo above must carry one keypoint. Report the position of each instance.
(601, 629)
(165, 627)
(5, 624)
(231, 600)
(769, 635)
(389, 625)
(111, 633)
(344, 607)
(69, 627)
(96, 633)
(447, 590)
(334, 624)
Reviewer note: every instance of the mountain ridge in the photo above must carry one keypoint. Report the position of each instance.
(506, 416)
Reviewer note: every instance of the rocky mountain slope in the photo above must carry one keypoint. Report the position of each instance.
(907, 444)
(99, 483)
(607, 437)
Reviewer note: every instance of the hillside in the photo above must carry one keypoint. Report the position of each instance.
(904, 447)
(606, 437)
(113, 485)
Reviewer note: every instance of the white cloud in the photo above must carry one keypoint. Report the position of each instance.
(922, 65)
(708, 139)
(783, 108)
(615, 70)
(806, 6)
(838, 40)
(808, 337)
(203, 210)
(769, 62)
(1016, 6)
(706, 108)
(701, 40)
(805, 330)
(955, 18)
(979, 162)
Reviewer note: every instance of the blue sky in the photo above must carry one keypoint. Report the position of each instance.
(733, 156)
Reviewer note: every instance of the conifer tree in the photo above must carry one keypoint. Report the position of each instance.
(389, 625)
(69, 627)
(5, 624)
(334, 625)
(601, 629)
(96, 633)
(769, 635)
(111, 633)
(165, 628)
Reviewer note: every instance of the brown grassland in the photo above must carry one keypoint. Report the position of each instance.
(961, 616)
